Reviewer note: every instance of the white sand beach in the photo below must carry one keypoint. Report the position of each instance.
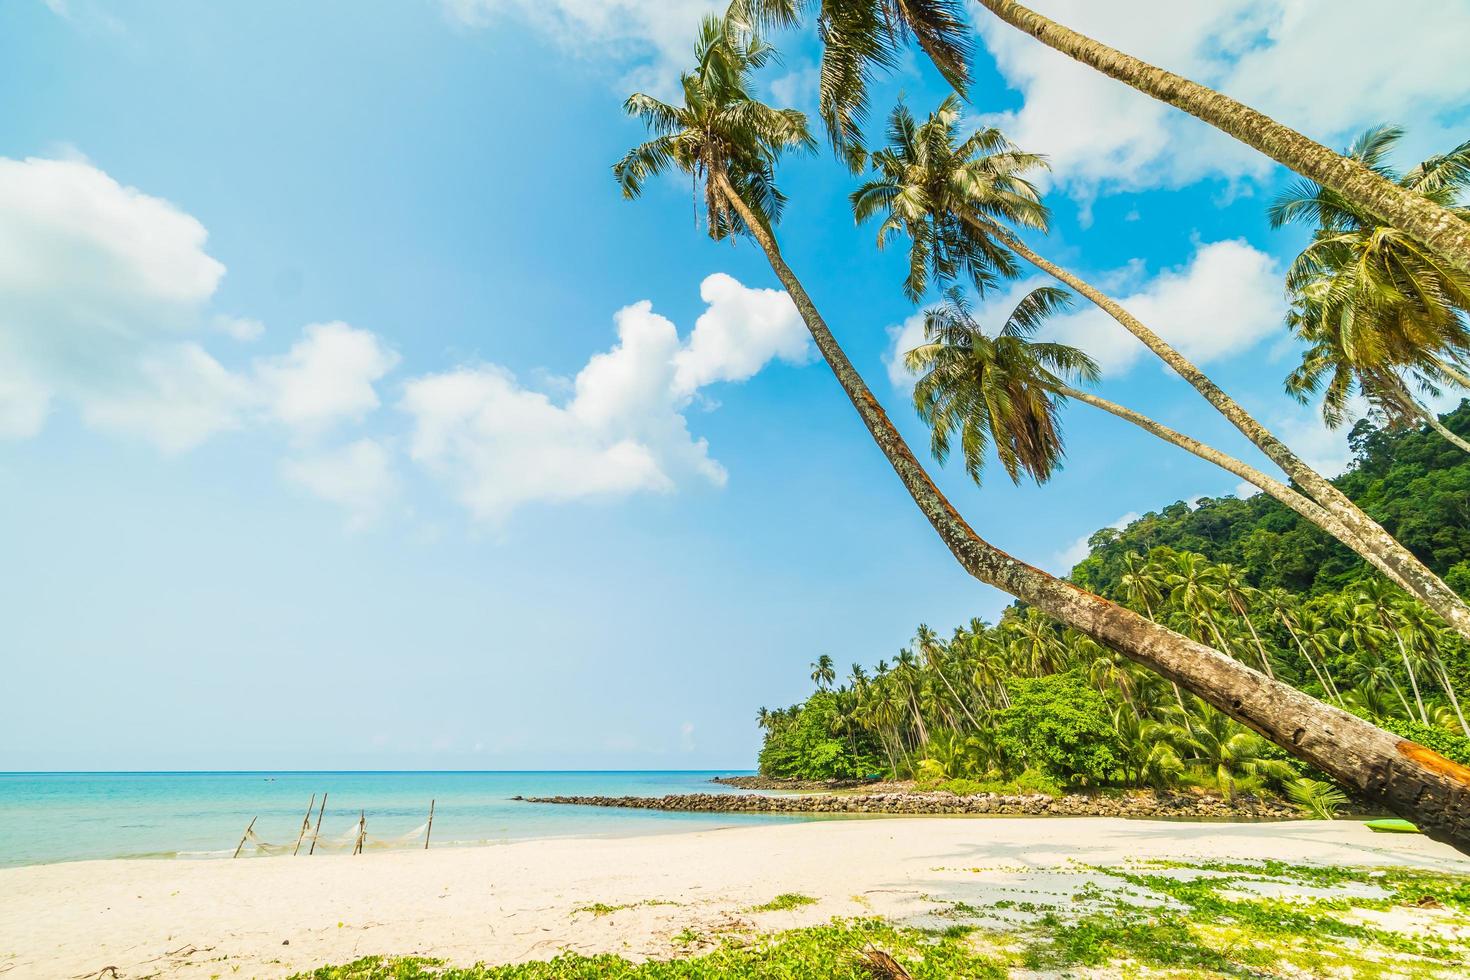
(270, 917)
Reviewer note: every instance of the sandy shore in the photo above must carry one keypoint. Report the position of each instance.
(268, 917)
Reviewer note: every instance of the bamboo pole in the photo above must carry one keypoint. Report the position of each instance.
(430, 828)
(316, 834)
(361, 830)
(244, 836)
(305, 823)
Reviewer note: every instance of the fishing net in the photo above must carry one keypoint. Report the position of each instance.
(344, 842)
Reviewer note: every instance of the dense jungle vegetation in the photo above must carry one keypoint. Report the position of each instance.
(1026, 704)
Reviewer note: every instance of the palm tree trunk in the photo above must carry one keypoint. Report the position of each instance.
(957, 700)
(1435, 226)
(1449, 688)
(1322, 678)
(1364, 536)
(1405, 777)
(1308, 509)
(1441, 428)
(1409, 669)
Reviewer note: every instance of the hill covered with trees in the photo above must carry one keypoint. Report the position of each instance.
(1024, 703)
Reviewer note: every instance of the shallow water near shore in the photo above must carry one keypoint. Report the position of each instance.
(46, 817)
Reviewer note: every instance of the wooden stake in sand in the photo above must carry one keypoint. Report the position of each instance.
(316, 834)
(361, 831)
(305, 823)
(430, 828)
(245, 835)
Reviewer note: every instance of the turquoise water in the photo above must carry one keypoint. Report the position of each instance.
(76, 816)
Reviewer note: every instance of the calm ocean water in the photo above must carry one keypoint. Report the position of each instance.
(77, 816)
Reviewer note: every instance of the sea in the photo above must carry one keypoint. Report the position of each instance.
(78, 816)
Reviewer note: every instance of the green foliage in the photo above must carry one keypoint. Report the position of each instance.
(785, 902)
(833, 951)
(1243, 576)
(1059, 726)
(1413, 482)
(813, 742)
(1316, 798)
(1454, 747)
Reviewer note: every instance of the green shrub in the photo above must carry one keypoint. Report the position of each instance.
(1060, 726)
(809, 745)
(1454, 747)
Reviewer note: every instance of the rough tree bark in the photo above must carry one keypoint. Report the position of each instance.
(1403, 776)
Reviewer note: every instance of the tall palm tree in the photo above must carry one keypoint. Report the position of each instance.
(823, 673)
(995, 390)
(724, 136)
(933, 652)
(1371, 302)
(858, 35)
(956, 198)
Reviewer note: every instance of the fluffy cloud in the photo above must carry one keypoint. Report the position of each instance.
(103, 292)
(1224, 301)
(659, 33)
(326, 377)
(358, 477)
(91, 274)
(1325, 67)
(500, 445)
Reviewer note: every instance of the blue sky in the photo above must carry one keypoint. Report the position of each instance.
(349, 418)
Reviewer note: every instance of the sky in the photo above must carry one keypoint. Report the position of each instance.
(349, 418)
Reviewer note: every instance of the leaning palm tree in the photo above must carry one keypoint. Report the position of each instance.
(1426, 220)
(722, 135)
(958, 200)
(1373, 304)
(996, 390)
(860, 35)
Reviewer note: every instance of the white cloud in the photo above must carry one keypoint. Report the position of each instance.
(904, 337)
(659, 34)
(1324, 67)
(99, 284)
(741, 331)
(240, 328)
(500, 445)
(326, 377)
(358, 477)
(178, 397)
(1224, 301)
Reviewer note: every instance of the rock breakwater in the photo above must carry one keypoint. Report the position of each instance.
(1144, 805)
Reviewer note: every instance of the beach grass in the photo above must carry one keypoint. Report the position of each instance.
(1203, 919)
(833, 951)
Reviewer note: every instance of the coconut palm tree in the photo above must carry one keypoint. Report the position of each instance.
(859, 36)
(1372, 303)
(956, 199)
(1438, 227)
(823, 674)
(995, 390)
(723, 136)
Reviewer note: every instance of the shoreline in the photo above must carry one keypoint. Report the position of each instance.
(530, 900)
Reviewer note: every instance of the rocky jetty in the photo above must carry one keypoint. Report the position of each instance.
(1157, 805)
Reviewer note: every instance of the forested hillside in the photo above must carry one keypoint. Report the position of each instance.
(1024, 703)
(1412, 482)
